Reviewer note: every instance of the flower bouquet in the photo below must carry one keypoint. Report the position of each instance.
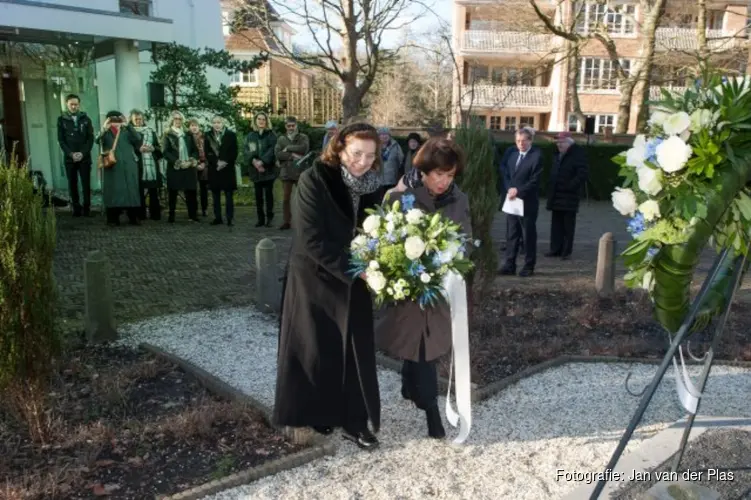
(405, 252)
(686, 186)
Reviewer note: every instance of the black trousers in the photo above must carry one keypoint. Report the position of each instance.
(264, 192)
(191, 202)
(420, 380)
(113, 214)
(562, 228)
(204, 194)
(229, 201)
(72, 171)
(154, 205)
(521, 230)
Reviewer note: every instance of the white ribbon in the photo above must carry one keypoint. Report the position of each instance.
(688, 394)
(455, 292)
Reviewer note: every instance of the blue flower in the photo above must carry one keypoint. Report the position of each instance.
(408, 202)
(437, 259)
(651, 153)
(372, 244)
(636, 225)
(652, 252)
(391, 237)
(416, 269)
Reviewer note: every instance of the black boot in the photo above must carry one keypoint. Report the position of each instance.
(435, 426)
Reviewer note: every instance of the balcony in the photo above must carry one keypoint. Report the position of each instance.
(504, 96)
(685, 39)
(513, 42)
(656, 95)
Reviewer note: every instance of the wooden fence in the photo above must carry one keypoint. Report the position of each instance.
(314, 105)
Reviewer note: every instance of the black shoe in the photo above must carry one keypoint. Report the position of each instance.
(507, 271)
(216, 222)
(566, 257)
(405, 393)
(435, 426)
(524, 273)
(364, 439)
(203, 213)
(260, 223)
(229, 222)
(269, 222)
(323, 429)
(552, 254)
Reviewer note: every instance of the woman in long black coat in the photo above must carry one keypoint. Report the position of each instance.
(221, 155)
(180, 150)
(326, 365)
(405, 331)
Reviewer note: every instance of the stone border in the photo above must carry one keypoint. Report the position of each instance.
(480, 393)
(318, 446)
(654, 451)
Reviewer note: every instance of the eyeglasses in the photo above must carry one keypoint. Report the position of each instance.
(358, 155)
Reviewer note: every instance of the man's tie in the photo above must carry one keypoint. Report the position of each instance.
(518, 161)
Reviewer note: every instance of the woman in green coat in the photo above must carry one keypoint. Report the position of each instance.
(262, 168)
(120, 182)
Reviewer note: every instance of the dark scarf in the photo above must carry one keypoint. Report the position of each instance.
(413, 180)
(367, 183)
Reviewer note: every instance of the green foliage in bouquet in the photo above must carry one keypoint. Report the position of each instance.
(405, 253)
(480, 183)
(29, 340)
(686, 186)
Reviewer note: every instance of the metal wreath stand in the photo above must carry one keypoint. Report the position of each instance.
(681, 335)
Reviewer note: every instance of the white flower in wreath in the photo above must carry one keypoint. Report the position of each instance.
(414, 215)
(650, 209)
(425, 278)
(677, 123)
(414, 247)
(390, 226)
(371, 224)
(359, 242)
(624, 201)
(649, 180)
(635, 156)
(701, 119)
(672, 154)
(376, 281)
(374, 265)
(648, 281)
(658, 118)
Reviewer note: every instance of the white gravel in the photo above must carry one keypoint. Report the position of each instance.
(568, 418)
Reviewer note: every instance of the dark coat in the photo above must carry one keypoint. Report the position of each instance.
(402, 327)
(526, 179)
(157, 154)
(121, 182)
(75, 139)
(185, 179)
(323, 307)
(260, 146)
(567, 177)
(226, 178)
(300, 145)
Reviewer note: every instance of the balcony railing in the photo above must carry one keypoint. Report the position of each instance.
(655, 94)
(136, 7)
(685, 39)
(506, 41)
(503, 96)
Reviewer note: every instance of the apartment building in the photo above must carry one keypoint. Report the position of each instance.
(514, 72)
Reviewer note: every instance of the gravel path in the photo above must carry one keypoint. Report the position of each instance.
(568, 418)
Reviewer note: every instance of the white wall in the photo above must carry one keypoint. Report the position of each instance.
(112, 5)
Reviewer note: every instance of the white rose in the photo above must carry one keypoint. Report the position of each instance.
(425, 278)
(359, 242)
(371, 224)
(640, 142)
(649, 180)
(414, 247)
(650, 209)
(672, 154)
(373, 265)
(658, 118)
(677, 123)
(700, 119)
(635, 157)
(390, 226)
(414, 215)
(376, 281)
(624, 200)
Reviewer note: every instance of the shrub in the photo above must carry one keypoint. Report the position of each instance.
(29, 340)
(479, 184)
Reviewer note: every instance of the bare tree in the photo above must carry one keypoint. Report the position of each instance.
(349, 36)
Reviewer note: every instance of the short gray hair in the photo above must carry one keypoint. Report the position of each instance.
(528, 131)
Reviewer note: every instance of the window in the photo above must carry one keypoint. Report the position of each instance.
(495, 123)
(247, 78)
(599, 74)
(573, 123)
(510, 123)
(601, 121)
(225, 23)
(619, 19)
(136, 7)
(478, 74)
(526, 121)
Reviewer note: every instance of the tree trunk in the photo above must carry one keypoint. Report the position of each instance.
(649, 29)
(351, 101)
(624, 106)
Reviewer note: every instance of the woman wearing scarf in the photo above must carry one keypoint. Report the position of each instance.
(203, 173)
(120, 182)
(421, 336)
(262, 167)
(181, 153)
(148, 156)
(221, 155)
(326, 370)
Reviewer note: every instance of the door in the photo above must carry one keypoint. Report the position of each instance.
(38, 128)
(13, 114)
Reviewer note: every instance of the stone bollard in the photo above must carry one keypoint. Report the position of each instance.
(268, 286)
(99, 315)
(605, 277)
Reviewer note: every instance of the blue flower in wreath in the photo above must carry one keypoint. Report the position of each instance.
(391, 237)
(651, 152)
(408, 202)
(416, 269)
(372, 244)
(636, 225)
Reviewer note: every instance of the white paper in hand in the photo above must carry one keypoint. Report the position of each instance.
(514, 207)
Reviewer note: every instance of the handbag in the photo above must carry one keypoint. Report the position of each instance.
(108, 160)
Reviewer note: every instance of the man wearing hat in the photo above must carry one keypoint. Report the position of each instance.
(567, 177)
(331, 128)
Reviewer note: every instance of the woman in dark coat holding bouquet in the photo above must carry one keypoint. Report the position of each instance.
(326, 365)
(181, 153)
(421, 336)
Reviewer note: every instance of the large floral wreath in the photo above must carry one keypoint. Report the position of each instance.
(686, 186)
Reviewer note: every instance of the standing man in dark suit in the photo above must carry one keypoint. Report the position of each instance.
(75, 134)
(567, 177)
(521, 168)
